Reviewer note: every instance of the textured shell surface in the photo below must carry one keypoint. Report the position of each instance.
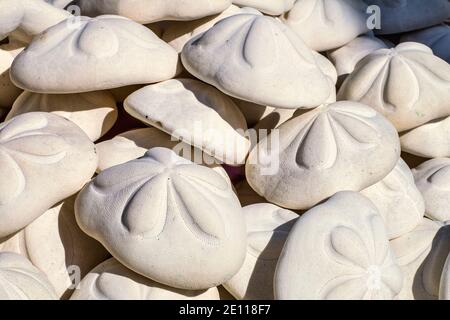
(258, 59)
(97, 53)
(162, 203)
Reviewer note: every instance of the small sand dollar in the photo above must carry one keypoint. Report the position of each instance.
(99, 53)
(94, 112)
(408, 84)
(338, 250)
(421, 255)
(162, 208)
(258, 59)
(335, 147)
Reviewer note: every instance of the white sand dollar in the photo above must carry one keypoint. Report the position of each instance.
(338, 250)
(55, 245)
(421, 255)
(407, 84)
(267, 229)
(272, 7)
(162, 208)
(433, 180)
(430, 140)
(44, 159)
(111, 280)
(258, 59)
(30, 16)
(8, 91)
(398, 200)
(147, 11)
(336, 147)
(94, 112)
(444, 289)
(195, 113)
(95, 54)
(437, 38)
(347, 57)
(399, 16)
(20, 280)
(327, 24)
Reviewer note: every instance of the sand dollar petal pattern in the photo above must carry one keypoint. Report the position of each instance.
(338, 250)
(94, 112)
(258, 59)
(433, 180)
(163, 207)
(178, 33)
(37, 149)
(99, 53)
(323, 148)
(20, 280)
(407, 84)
